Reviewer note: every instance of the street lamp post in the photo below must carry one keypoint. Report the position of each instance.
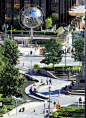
(31, 65)
(44, 108)
(49, 101)
(16, 106)
(85, 60)
(6, 26)
(65, 57)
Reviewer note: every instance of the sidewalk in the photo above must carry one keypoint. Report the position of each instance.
(27, 51)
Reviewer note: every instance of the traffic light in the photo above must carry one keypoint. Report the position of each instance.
(58, 106)
(67, 38)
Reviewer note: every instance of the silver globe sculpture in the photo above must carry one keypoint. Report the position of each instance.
(31, 16)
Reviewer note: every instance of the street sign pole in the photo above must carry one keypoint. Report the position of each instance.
(85, 60)
(49, 101)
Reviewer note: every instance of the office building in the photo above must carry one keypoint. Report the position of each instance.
(10, 9)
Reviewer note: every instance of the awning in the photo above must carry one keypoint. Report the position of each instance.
(79, 11)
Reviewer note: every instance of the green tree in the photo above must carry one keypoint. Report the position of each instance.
(54, 18)
(8, 22)
(48, 22)
(16, 24)
(11, 52)
(2, 66)
(52, 52)
(78, 45)
(11, 82)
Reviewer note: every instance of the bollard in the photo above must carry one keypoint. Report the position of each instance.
(23, 64)
(34, 110)
(18, 61)
(58, 92)
(68, 76)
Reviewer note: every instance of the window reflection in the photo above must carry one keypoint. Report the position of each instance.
(16, 9)
(8, 10)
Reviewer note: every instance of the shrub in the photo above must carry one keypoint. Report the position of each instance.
(4, 109)
(36, 66)
(54, 114)
(9, 107)
(34, 32)
(57, 31)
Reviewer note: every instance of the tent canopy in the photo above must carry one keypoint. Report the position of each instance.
(79, 11)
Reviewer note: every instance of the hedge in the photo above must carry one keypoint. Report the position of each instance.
(34, 32)
(57, 31)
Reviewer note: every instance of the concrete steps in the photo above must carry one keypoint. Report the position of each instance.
(73, 93)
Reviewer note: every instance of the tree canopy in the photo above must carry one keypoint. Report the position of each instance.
(78, 45)
(48, 22)
(11, 52)
(16, 24)
(52, 52)
(10, 80)
(54, 18)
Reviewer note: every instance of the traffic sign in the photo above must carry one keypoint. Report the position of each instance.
(49, 101)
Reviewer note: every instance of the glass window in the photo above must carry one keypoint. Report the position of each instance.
(16, 9)
(8, 9)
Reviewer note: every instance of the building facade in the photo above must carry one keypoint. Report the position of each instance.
(10, 9)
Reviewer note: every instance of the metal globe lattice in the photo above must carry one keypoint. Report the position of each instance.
(31, 17)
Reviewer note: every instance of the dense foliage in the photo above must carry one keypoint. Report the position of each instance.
(52, 52)
(78, 45)
(10, 80)
(11, 52)
(48, 22)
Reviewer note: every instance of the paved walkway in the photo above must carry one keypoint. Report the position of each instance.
(38, 107)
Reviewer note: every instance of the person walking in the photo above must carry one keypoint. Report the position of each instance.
(23, 43)
(50, 81)
(58, 92)
(54, 104)
(47, 81)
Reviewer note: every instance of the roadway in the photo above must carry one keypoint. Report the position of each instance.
(31, 60)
